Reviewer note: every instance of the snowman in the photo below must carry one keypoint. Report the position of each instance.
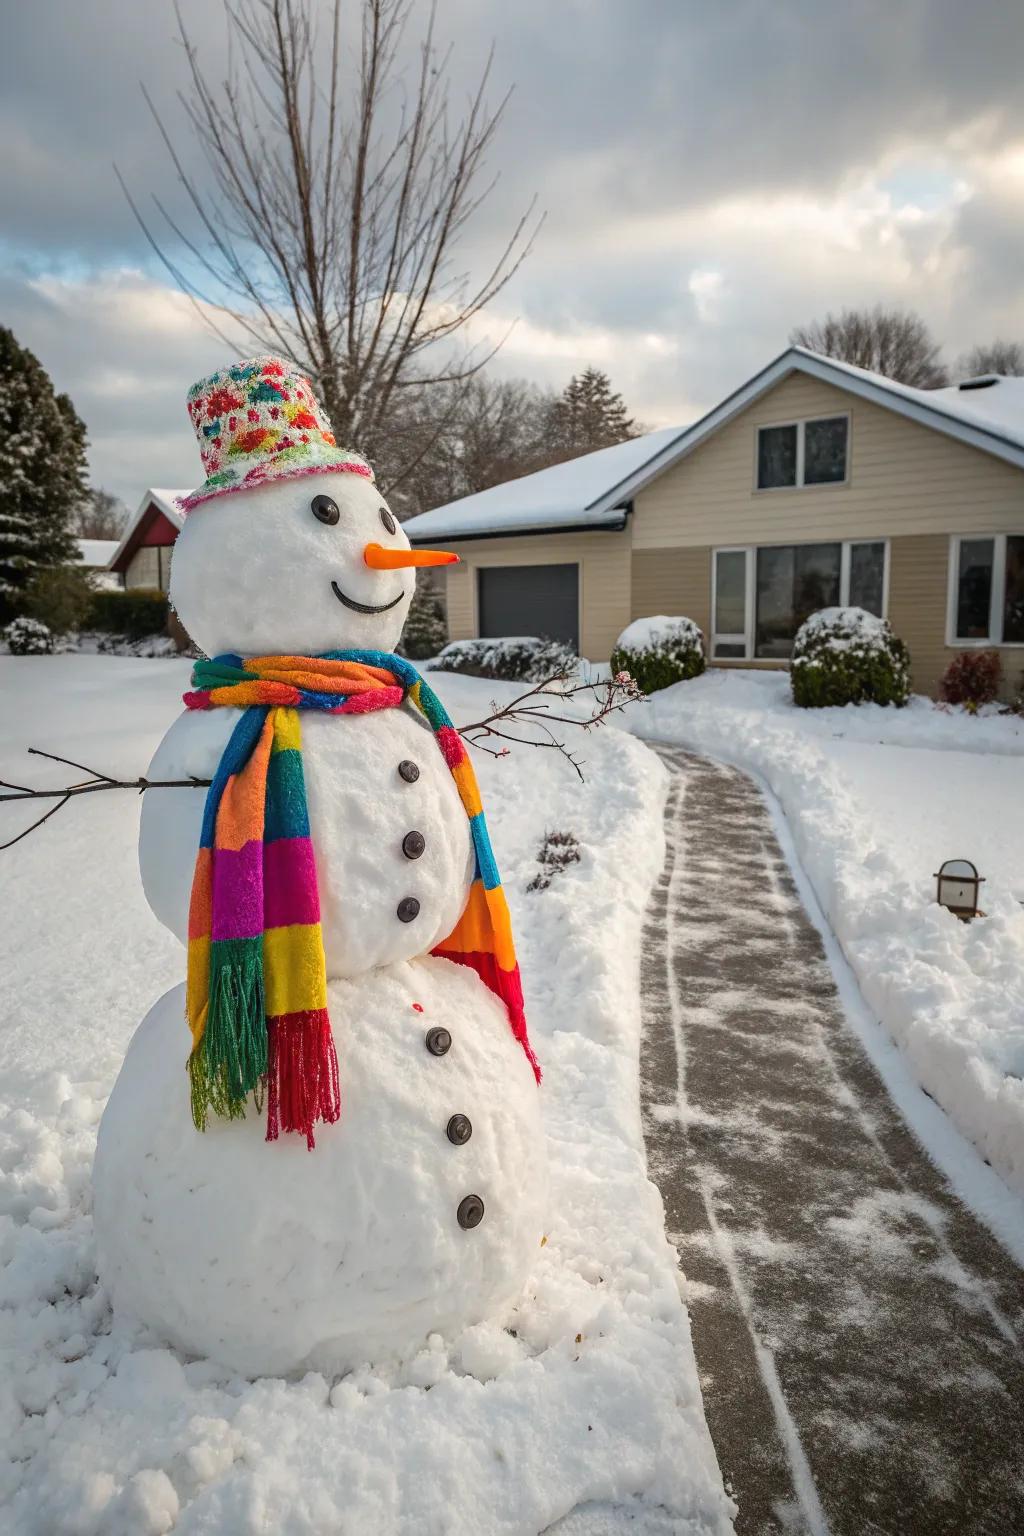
(353, 1158)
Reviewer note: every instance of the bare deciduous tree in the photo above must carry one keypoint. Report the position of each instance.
(892, 342)
(476, 435)
(330, 227)
(102, 516)
(1005, 357)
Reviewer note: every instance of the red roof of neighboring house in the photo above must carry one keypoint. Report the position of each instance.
(157, 522)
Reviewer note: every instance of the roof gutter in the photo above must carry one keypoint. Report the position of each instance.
(524, 533)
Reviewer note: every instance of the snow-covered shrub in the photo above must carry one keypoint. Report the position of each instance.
(848, 656)
(659, 652)
(972, 678)
(426, 628)
(27, 637)
(516, 658)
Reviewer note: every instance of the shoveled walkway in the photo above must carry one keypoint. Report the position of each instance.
(860, 1336)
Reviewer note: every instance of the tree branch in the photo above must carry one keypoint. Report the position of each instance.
(529, 710)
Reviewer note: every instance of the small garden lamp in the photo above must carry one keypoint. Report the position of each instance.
(958, 883)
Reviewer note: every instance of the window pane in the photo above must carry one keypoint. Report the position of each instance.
(974, 589)
(793, 581)
(776, 457)
(825, 450)
(730, 648)
(731, 592)
(867, 577)
(1013, 609)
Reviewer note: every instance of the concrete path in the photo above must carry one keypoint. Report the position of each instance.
(859, 1334)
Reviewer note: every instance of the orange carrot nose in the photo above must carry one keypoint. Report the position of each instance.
(380, 559)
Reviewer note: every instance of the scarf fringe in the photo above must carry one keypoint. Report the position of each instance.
(230, 1061)
(302, 1080)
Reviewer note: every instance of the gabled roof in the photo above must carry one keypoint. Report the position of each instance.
(165, 502)
(559, 497)
(593, 491)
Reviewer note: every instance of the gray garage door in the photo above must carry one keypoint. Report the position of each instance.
(530, 600)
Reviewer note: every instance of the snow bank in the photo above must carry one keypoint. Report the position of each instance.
(876, 798)
(588, 1400)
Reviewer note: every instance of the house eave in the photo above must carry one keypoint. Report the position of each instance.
(617, 526)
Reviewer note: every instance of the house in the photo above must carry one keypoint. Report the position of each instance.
(814, 484)
(95, 555)
(143, 556)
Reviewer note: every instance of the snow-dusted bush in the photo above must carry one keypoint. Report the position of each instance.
(513, 658)
(848, 656)
(27, 637)
(972, 678)
(426, 628)
(660, 651)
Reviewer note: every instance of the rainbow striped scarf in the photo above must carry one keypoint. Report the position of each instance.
(257, 981)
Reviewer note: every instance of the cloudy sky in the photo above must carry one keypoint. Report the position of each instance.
(713, 172)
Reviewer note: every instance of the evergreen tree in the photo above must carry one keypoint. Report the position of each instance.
(588, 414)
(42, 473)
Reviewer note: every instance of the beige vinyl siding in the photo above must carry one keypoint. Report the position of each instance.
(603, 559)
(918, 593)
(904, 479)
(150, 566)
(672, 581)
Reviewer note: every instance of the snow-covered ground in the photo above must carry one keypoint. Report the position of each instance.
(875, 799)
(587, 1401)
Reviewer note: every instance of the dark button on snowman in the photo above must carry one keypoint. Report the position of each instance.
(261, 1254)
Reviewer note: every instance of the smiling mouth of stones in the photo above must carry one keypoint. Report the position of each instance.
(350, 602)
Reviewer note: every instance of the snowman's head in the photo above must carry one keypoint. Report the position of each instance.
(296, 566)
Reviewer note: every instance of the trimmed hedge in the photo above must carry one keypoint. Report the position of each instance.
(137, 612)
(660, 651)
(516, 659)
(848, 656)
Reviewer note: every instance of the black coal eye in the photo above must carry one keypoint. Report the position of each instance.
(388, 520)
(325, 509)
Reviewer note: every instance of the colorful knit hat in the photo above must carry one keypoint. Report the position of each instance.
(257, 421)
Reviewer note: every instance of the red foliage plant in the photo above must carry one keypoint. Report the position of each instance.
(972, 678)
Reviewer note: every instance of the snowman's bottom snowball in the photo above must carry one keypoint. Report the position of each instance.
(270, 1258)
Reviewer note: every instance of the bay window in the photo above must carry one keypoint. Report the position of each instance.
(986, 590)
(763, 593)
(803, 453)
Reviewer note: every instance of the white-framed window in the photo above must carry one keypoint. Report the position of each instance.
(762, 593)
(794, 454)
(986, 590)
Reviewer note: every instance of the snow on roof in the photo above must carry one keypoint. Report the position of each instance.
(167, 501)
(590, 492)
(563, 496)
(997, 406)
(96, 553)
